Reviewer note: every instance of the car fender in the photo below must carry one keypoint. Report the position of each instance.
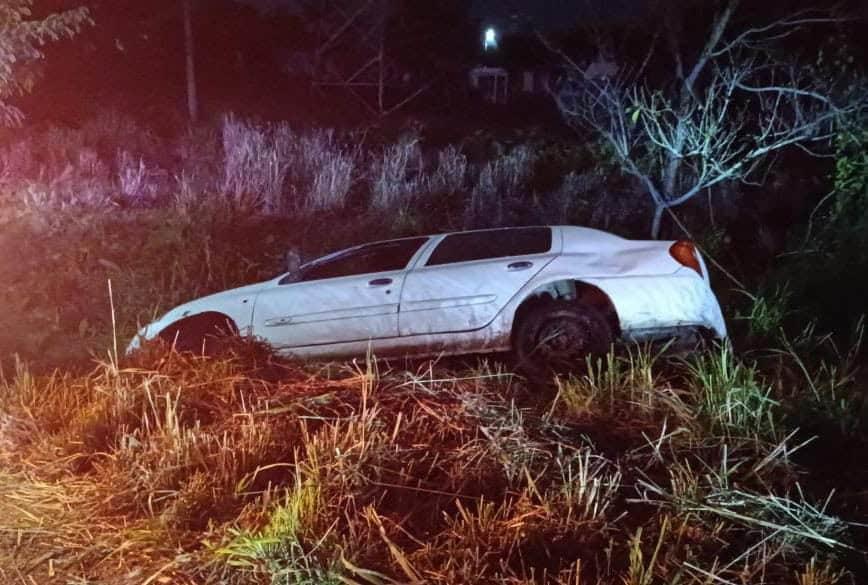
(237, 304)
(640, 301)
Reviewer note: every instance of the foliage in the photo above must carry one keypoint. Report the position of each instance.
(247, 469)
(257, 162)
(499, 186)
(827, 271)
(766, 312)
(847, 216)
(21, 40)
(851, 165)
(154, 259)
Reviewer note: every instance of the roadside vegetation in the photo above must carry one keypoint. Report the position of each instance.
(726, 467)
(243, 469)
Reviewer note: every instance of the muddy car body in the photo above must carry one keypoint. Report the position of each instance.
(568, 290)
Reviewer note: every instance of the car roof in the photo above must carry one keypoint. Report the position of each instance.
(572, 235)
(429, 236)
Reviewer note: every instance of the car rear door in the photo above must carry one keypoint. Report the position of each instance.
(348, 296)
(469, 277)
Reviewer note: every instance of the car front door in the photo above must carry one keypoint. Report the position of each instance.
(347, 296)
(470, 276)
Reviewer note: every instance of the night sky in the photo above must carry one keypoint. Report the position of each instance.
(546, 14)
(553, 14)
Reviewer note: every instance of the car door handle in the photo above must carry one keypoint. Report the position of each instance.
(515, 266)
(380, 282)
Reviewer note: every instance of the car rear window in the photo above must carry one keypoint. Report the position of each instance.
(489, 244)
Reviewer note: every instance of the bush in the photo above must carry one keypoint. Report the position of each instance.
(732, 400)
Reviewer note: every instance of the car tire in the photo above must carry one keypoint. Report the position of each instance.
(557, 337)
(204, 334)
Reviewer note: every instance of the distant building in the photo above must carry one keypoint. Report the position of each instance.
(520, 67)
(490, 83)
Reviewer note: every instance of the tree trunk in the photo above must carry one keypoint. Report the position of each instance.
(659, 208)
(192, 98)
(381, 76)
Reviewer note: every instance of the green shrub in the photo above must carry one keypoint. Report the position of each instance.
(732, 399)
(766, 313)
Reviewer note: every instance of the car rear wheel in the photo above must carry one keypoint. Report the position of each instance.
(204, 334)
(557, 337)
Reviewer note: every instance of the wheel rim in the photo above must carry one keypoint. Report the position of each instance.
(562, 342)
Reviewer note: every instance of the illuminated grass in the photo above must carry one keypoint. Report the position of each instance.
(245, 469)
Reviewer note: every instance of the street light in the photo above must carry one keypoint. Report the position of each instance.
(489, 41)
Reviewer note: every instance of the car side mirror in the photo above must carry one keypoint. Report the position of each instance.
(293, 260)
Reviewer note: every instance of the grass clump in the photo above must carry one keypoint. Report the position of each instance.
(732, 398)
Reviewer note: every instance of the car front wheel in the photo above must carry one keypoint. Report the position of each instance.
(557, 337)
(203, 334)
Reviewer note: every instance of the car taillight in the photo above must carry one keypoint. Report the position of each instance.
(685, 254)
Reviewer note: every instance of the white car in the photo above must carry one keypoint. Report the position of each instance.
(549, 294)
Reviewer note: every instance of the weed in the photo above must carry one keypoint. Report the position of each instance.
(628, 383)
(732, 399)
(831, 375)
(824, 574)
(766, 313)
(588, 484)
(451, 173)
(245, 469)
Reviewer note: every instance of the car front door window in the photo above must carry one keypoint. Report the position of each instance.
(370, 259)
(337, 299)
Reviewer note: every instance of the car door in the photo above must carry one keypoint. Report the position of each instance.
(470, 276)
(347, 296)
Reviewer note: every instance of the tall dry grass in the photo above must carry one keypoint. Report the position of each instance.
(500, 183)
(398, 176)
(256, 163)
(244, 166)
(261, 471)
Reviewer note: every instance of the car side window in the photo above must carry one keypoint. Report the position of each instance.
(491, 244)
(379, 257)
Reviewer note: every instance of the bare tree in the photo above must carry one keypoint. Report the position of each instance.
(731, 105)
